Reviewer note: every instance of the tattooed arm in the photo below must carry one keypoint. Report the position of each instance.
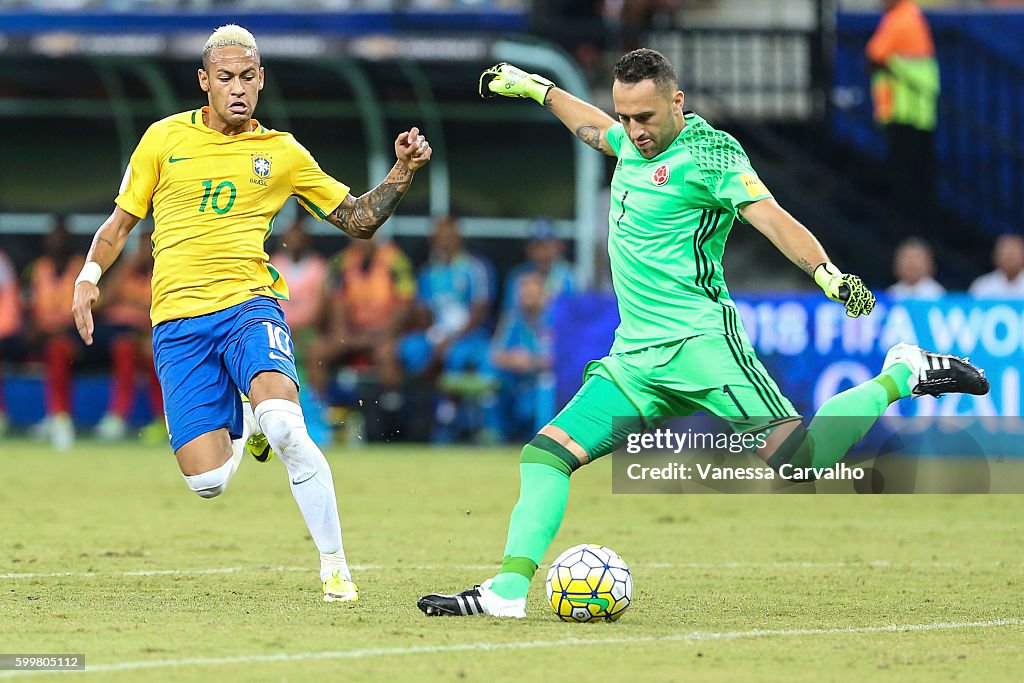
(586, 121)
(111, 237)
(802, 248)
(360, 217)
(106, 246)
(787, 234)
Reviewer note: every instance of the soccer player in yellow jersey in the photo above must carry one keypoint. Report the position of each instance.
(215, 179)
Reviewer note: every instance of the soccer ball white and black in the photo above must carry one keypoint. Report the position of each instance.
(589, 582)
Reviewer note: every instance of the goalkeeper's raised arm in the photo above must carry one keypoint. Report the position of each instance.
(586, 121)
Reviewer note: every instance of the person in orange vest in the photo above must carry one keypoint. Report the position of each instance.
(370, 296)
(125, 332)
(51, 285)
(905, 90)
(12, 347)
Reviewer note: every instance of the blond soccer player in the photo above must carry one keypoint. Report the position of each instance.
(215, 178)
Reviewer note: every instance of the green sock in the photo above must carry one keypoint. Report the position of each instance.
(899, 375)
(543, 492)
(844, 419)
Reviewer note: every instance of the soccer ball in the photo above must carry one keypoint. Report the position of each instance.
(589, 582)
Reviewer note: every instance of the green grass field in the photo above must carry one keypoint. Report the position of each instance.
(106, 552)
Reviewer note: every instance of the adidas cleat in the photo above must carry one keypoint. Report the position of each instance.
(479, 600)
(339, 589)
(935, 374)
(259, 447)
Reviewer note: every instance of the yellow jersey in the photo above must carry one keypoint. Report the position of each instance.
(214, 199)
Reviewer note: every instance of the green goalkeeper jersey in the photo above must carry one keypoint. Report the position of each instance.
(667, 226)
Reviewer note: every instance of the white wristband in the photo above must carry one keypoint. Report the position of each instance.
(91, 272)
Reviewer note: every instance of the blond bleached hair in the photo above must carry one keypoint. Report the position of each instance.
(227, 35)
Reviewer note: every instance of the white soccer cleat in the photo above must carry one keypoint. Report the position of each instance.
(477, 601)
(111, 428)
(62, 432)
(497, 606)
(935, 374)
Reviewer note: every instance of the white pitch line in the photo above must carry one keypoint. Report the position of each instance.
(150, 572)
(366, 653)
(874, 564)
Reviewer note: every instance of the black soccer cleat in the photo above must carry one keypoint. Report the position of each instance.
(947, 374)
(464, 604)
(935, 374)
(478, 600)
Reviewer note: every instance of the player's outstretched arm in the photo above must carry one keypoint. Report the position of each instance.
(360, 217)
(586, 121)
(802, 248)
(106, 246)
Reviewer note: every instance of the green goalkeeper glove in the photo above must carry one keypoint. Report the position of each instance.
(846, 289)
(509, 81)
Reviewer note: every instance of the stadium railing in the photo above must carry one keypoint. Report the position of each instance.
(327, 88)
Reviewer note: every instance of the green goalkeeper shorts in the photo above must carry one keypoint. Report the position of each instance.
(627, 392)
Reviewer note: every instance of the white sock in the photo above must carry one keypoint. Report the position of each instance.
(249, 424)
(334, 562)
(310, 479)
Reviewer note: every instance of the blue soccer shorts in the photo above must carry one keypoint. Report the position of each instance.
(203, 363)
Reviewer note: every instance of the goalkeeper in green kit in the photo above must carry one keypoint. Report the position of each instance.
(680, 346)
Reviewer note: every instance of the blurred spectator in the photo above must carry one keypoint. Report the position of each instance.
(11, 346)
(124, 330)
(51, 283)
(305, 271)
(234, 5)
(581, 27)
(545, 257)
(369, 301)
(454, 300)
(914, 268)
(520, 358)
(905, 90)
(455, 295)
(1006, 281)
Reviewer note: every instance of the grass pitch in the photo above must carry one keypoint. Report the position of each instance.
(106, 552)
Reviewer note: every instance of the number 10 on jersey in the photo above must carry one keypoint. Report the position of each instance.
(278, 339)
(216, 202)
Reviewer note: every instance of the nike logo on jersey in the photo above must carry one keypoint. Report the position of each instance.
(173, 160)
(275, 356)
